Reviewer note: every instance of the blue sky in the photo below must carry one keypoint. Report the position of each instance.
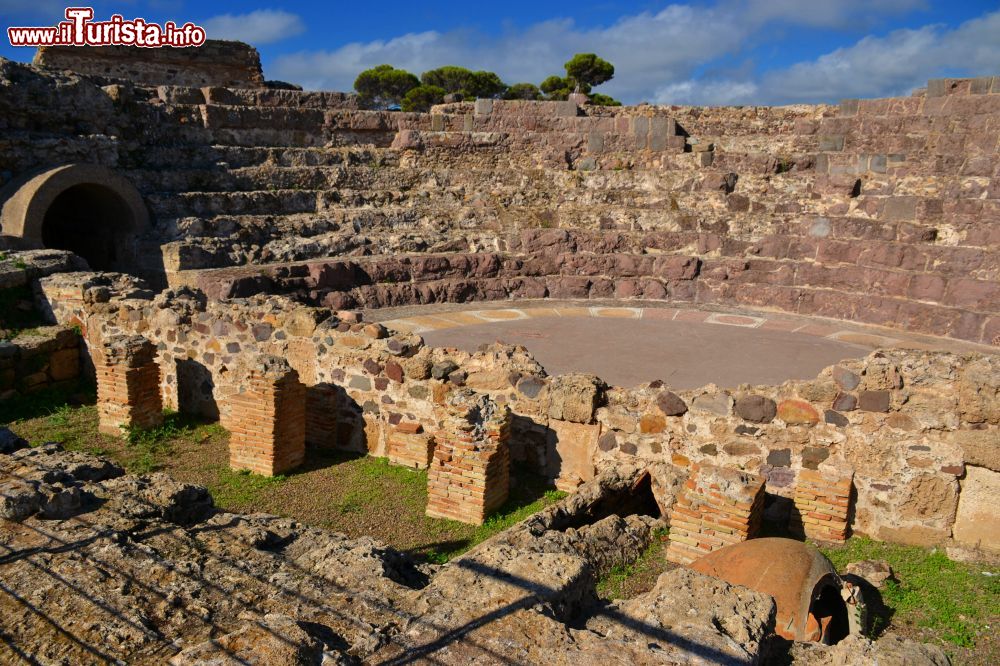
(712, 52)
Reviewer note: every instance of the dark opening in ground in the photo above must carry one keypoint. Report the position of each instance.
(828, 617)
(93, 222)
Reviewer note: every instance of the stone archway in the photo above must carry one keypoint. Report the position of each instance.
(87, 209)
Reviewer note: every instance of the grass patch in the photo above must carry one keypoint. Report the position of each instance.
(241, 487)
(149, 446)
(627, 580)
(337, 490)
(376, 480)
(954, 602)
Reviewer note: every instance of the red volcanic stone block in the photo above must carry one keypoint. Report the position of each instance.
(394, 371)
(845, 379)
(797, 411)
(671, 404)
(874, 401)
(755, 408)
(845, 402)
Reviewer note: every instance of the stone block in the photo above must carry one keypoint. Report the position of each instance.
(595, 142)
(977, 522)
(937, 87)
(484, 107)
(828, 143)
(874, 401)
(797, 412)
(849, 107)
(981, 85)
(755, 408)
(572, 450)
(574, 397)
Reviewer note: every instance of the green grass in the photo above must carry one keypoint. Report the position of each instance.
(241, 487)
(343, 491)
(618, 583)
(954, 601)
(374, 478)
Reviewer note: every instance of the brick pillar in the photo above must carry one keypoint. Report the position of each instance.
(469, 476)
(822, 503)
(717, 506)
(407, 444)
(128, 384)
(321, 416)
(266, 417)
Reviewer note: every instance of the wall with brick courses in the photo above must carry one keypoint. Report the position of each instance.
(822, 503)
(908, 423)
(266, 417)
(407, 444)
(128, 384)
(469, 475)
(717, 507)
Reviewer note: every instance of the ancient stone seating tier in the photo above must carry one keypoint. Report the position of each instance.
(716, 507)
(469, 476)
(267, 420)
(128, 384)
(822, 503)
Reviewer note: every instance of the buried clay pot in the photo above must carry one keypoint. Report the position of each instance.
(814, 603)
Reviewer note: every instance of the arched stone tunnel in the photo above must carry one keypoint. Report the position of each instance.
(88, 209)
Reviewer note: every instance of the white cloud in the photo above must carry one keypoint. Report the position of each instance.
(680, 54)
(261, 26)
(644, 48)
(829, 13)
(707, 93)
(891, 65)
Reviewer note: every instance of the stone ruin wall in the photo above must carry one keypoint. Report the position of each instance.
(878, 211)
(917, 430)
(215, 63)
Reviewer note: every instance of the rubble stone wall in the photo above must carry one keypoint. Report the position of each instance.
(879, 211)
(215, 63)
(39, 359)
(907, 423)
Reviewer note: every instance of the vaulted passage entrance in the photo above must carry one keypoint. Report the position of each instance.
(87, 209)
(93, 222)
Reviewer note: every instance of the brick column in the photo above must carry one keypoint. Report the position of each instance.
(469, 476)
(266, 417)
(409, 445)
(822, 503)
(716, 507)
(128, 384)
(321, 416)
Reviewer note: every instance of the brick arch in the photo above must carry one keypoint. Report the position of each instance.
(88, 209)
